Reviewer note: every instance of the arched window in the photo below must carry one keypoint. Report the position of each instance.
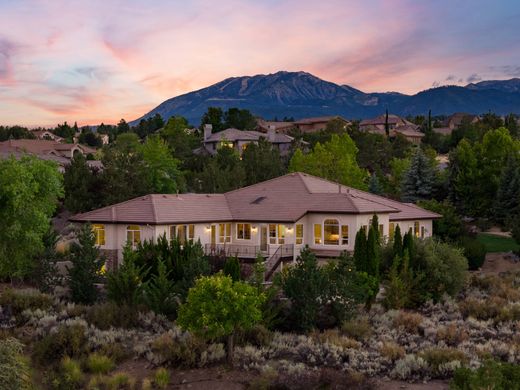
(133, 235)
(331, 232)
(99, 233)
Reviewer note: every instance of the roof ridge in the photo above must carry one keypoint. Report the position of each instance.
(261, 182)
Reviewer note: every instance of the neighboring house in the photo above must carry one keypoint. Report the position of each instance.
(46, 150)
(104, 138)
(280, 127)
(240, 139)
(313, 125)
(275, 218)
(396, 125)
(454, 121)
(46, 135)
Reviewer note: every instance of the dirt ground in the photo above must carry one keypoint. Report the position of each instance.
(499, 262)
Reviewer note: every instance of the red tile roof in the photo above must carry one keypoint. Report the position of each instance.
(283, 199)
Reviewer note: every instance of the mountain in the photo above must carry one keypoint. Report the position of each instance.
(300, 95)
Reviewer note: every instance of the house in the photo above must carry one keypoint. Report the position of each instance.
(46, 135)
(396, 125)
(454, 121)
(275, 218)
(240, 139)
(61, 153)
(313, 125)
(280, 127)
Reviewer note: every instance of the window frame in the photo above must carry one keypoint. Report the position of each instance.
(344, 238)
(224, 234)
(298, 234)
(334, 224)
(416, 228)
(243, 231)
(99, 233)
(318, 239)
(133, 232)
(279, 231)
(391, 230)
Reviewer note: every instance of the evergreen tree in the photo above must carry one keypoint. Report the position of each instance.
(387, 126)
(79, 182)
(374, 186)
(398, 242)
(232, 268)
(419, 180)
(507, 201)
(360, 251)
(409, 248)
(86, 267)
(373, 252)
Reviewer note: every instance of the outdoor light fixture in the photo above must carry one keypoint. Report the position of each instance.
(254, 229)
(208, 228)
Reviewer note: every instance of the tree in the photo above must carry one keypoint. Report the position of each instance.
(180, 141)
(213, 116)
(86, 267)
(161, 168)
(335, 160)
(374, 186)
(360, 250)
(261, 162)
(464, 176)
(232, 268)
(450, 226)
(159, 292)
(419, 180)
(45, 274)
(218, 307)
(81, 186)
(397, 248)
(29, 192)
(241, 119)
(387, 126)
(124, 284)
(507, 200)
(122, 127)
(398, 169)
(224, 172)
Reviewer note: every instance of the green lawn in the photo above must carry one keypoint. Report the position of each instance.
(497, 243)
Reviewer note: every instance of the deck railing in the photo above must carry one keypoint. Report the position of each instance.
(232, 250)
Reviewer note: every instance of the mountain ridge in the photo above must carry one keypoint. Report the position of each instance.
(301, 94)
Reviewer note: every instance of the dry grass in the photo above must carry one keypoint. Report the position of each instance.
(392, 351)
(451, 334)
(411, 322)
(359, 328)
(334, 336)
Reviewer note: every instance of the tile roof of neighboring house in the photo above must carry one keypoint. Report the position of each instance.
(454, 120)
(381, 120)
(232, 134)
(308, 121)
(283, 199)
(38, 146)
(278, 126)
(409, 131)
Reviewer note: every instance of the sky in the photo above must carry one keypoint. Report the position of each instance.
(102, 60)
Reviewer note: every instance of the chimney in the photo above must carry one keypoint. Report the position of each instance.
(271, 131)
(207, 131)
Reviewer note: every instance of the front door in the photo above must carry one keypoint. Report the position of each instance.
(263, 238)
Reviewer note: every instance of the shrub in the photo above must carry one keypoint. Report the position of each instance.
(121, 380)
(161, 378)
(14, 370)
(107, 315)
(491, 375)
(124, 285)
(66, 341)
(158, 293)
(451, 334)
(437, 357)
(99, 364)
(232, 268)
(482, 309)
(70, 375)
(258, 336)
(147, 384)
(357, 328)
(411, 322)
(392, 351)
(183, 352)
(475, 252)
(28, 299)
(334, 337)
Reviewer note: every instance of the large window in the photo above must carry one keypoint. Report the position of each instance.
(243, 231)
(276, 234)
(344, 235)
(182, 233)
(331, 232)
(133, 235)
(299, 234)
(416, 228)
(99, 233)
(317, 233)
(224, 232)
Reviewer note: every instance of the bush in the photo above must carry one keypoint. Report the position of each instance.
(161, 378)
(70, 375)
(159, 295)
(359, 328)
(411, 322)
(99, 364)
(392, 351)
(66, 341)
(121, 380)
(124, 285)
(451, 334)
(437, 357)
(232, 268)
(491, 375)
(183, 352)
(19, 300)
(14, 370)
(475, 252)
(107, 315)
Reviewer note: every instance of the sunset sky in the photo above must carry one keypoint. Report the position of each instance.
(91, 61)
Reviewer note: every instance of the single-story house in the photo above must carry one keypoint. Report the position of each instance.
(46, 135)
(313, 125)
(396, 125)
(240, 139)
(274, 218)
(279, 126)
(454, 121)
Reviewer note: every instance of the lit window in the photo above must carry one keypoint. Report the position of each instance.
(243, 231)
(272, 234)
(225, 144)
(391, 230)
(224, 232)
(182, 233)
(133, 235)
(344, 235)
(276, 234)
(416, 228)
(299, 234)
(191, 232)
(381, 230)
(331, 232)
(281, 234)
(317, 233)
(99, 233)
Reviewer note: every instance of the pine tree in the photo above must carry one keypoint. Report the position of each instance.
(409, 248)
(374, 186)
(375, 226)
(373, 252)
(419, 180)
(387, 126)
(360, 251)
(507, 201)
(398, 242)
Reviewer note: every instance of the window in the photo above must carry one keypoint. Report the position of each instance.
(381, 230)
(416, 228)
(391, 230)
(317, 233)
(243, 231)
(133, 235)
(344, 235)
(422, 231)
(299, 234)
(225, 144)
(182, 232)
(99, 233)
(224, 232)
(331, 232)
(276, 234)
